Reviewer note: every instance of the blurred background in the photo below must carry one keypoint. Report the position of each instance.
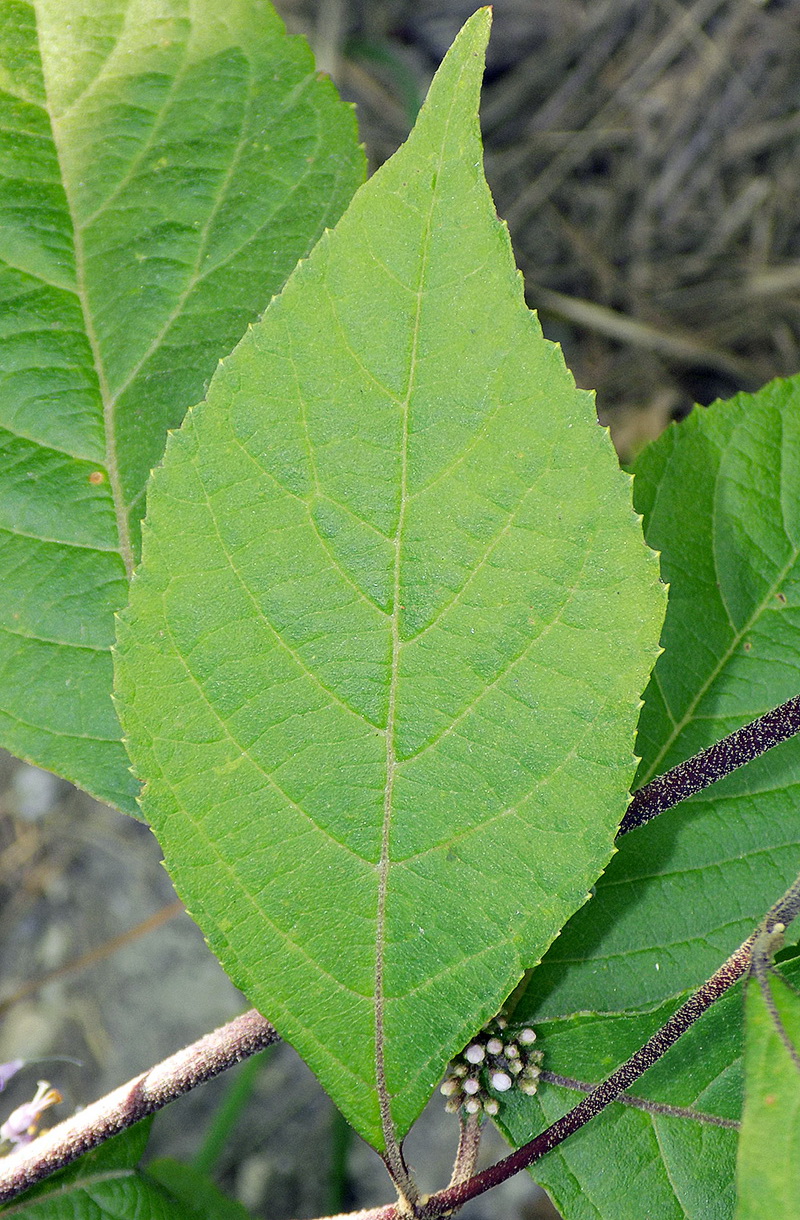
(646, 155)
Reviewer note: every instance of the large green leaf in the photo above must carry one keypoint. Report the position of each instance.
(768, 1169)
(627, 1163)
(162, 167)
(720, 494)
(381, 665)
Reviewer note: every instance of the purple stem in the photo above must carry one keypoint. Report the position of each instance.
(712, 764)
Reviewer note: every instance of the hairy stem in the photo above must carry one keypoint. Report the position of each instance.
(768, 942)
(250, 1033)
(712, 764)
(737, 965)
(469, 1144)
(139, 1097)
(729, 973)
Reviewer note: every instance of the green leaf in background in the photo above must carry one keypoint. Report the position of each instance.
(162, 168)
(768, 1169)
(382, 663)
(109, 1184)
(720, 494)
(195, 1189)
(627, 1163)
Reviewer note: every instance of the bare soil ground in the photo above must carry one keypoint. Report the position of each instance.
(647, 159)
(646, 154)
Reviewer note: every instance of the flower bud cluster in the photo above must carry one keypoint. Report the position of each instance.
(495, 1061)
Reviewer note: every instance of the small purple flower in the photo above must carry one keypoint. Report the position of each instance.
(7, 1070)
(21, 1125)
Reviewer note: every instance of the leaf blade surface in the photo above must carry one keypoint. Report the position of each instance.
(718, 494)
(374, 608)
(626, 1160)
(162, 167)
(768, 1168)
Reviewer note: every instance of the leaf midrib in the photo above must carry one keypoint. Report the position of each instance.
(384, 1097)
(111, 463)
(109, 399)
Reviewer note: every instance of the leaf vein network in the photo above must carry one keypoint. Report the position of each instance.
(156, 126)
(345, 508)
(101, 66)
(78, 546)
(245, 753)
(68, 735)
(357, 360)
(511, 662)
(198, 276)
(510, 810)
(454, 967)
(43, 639)
(740, 857)
(64, 286)
(22, 96)
(336, 565)
(18, 434)
(319, 494)
(194, 275)
(236, 884)
(261, 615)
(461, 456)
(491, 545)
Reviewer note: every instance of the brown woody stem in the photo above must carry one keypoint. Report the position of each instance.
(139, 1097)
(250, 1033)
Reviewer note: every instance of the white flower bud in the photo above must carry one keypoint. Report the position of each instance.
(527, 1037)
(475, 1053)
(471, 1085)
(501, 1081)
(494, 1046)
